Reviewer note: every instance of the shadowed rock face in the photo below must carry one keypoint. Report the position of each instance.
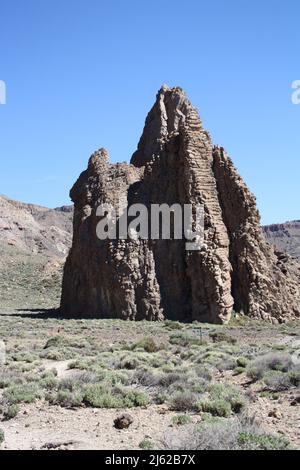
(175, 162)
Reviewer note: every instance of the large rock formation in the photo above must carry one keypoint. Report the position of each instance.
(235, 269)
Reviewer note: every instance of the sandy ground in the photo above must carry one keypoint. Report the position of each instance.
(41, 427)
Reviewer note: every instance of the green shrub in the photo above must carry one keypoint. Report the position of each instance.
(217, 407)
(272, 361)
(97, 396)
(252, 441)
(181, 420)
(66, 399)
(242, 362)
(226, 364)
(144, 377)
(24, 357)
(2, 437)
(224, 434)
(173, 325)
(183, 401)
(54, 355)
(238, 370)
(171, 378)
(221, 336)
(21, 394)
(294, 377)
(11, 412)
(9, 377)
(135, 398)
(229, 394)
(203, 373)
(147, 344)
(49, 382)
(184, 340)
(102, 400)
(81, 364)
(128, 363)
(146, 444)
(55, 341)
(277, 381)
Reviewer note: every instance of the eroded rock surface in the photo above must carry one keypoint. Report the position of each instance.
(236, 269)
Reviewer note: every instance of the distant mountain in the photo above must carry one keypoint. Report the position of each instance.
(35, 229)
(286, 237)
(34, 242)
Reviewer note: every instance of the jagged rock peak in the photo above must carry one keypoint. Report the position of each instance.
(98, 158)
(171, 110)
(236, 269)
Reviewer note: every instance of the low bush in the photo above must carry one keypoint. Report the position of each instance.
(173, 325)
(222, 434)
(21, 394)
(184, 340)
(238, 370)
(100, 397)
(183, 401)
(181, 420)
(242, 362)
(218, 407)
(11, 412)
(146, 444)
(147, 344)
(66, 398)
(277, 381)
(229, 394)
(55, 341)
(272, 361)
(221, 336)
(144, 377)
(169, 379)
(255, 441)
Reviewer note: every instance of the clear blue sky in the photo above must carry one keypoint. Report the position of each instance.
(82, 74)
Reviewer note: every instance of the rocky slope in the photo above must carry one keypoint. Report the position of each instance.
(236, 269)
(286, 237)
(34, 242)
(35, 229)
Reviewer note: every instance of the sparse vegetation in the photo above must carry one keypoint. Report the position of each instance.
(209, 380)
(222, 434)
